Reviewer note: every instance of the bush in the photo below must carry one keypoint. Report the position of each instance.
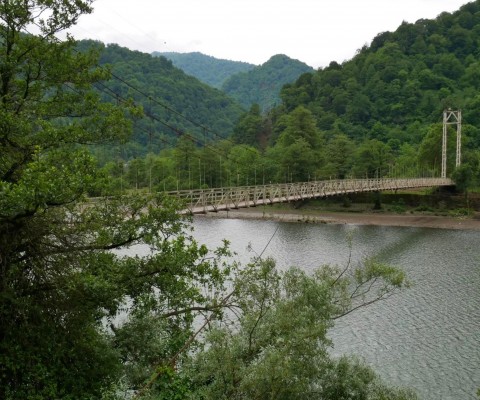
(460, 212)
(424, 208)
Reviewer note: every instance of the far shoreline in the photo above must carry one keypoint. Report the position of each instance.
(349, 218)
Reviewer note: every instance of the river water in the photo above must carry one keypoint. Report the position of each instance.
(426, 338)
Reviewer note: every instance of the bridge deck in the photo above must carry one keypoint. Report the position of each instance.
(217, 199)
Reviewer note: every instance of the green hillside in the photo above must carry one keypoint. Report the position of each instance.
(380, 113)
(159, 88)
(401, 82)
(210, 70)
(262, 84)
(376, 115)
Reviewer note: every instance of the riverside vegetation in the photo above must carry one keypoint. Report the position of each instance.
(376, 115)
(199, 326)
(64, 279)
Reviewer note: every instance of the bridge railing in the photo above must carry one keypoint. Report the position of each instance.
(216, 199)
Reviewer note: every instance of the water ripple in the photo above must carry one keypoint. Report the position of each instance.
(426, 338)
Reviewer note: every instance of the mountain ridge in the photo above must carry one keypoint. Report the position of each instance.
(262, 84)
(174, 102)
(246, 83)
(208, 69)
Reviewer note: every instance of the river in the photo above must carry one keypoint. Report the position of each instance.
(426, 338)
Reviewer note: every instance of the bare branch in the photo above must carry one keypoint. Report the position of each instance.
(384, 296)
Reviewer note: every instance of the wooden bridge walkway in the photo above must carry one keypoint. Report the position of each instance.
(204, 200)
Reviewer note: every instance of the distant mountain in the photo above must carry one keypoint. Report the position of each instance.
(262, 84)
(210, 70)
(168, 95)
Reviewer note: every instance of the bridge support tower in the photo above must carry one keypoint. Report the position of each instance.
(451, 117)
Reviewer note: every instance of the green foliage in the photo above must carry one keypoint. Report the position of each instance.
(397, 87)
(262, 84)
(374, 115)
(64, 281)
(108, 297)
(339, 155)
(430, 151)
(378, 113)
(460, 212)
(278, 349)
(465, 178)
(159, 87)
(249, 127)
(300, 124)
(241, 166)
(373, 159)
(299, 148)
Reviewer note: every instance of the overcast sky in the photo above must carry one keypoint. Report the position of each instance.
(313, 31)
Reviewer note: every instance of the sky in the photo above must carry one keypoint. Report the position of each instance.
(313, 31)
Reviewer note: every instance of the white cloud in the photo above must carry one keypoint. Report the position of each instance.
(313, 31)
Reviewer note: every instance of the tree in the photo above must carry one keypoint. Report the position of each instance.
(406, 163)
(373, 159)
(279, 348)
(242, 167)
(80, 316)
(299, 148)
(185, 157)
(249, 127)
(137, 175)
(300, 124)
(61, 281)
(465, 179)
(339, 157)
(297, 162)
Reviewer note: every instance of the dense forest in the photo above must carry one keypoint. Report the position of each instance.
(109, 297)
(172, 101)
(402, 80)
(246, 83)
(208, 69)
(378, 114)
(262, 84)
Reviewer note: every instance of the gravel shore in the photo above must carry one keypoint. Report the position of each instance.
(364, 218)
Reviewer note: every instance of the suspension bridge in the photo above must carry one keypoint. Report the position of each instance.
(199, 201)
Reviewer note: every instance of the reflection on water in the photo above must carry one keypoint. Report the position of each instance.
(428, 337)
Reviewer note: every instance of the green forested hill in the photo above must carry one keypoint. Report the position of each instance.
(210, 70)
(380, 113)
(262, 84)
(166, 85)
(401, 83)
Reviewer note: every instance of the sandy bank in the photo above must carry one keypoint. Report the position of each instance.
(305, 216)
